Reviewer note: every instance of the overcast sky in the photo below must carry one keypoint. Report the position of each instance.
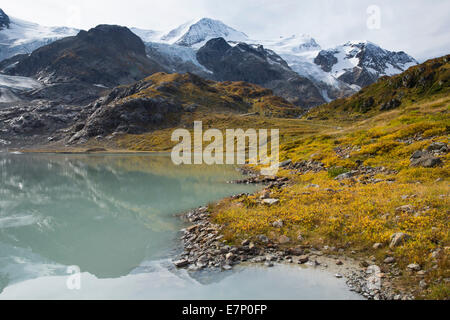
(419, 27)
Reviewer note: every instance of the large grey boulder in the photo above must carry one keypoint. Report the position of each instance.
(426, 158)
(398, 238)
(438, 147)
(426, 161)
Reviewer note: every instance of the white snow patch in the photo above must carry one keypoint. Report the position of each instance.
(24, 37)
(19, 83)
(100, 86)
(176, 53)
(194, 33)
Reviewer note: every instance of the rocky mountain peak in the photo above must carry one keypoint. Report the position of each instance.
(301, 43)
(255, 64)
(199, 32)
(104, 56)
(362, 62)
(4, 20)
(118, 36)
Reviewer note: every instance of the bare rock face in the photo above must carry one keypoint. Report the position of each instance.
(131, 116)
(426, 162)
(4, 20)
(326, 60)
(34, 123)
(429, 158)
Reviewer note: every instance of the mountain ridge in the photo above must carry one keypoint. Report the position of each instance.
(359, 64)
(431, 78)
(255, 64)
(362, 62)
(4, 20)
(303, 55)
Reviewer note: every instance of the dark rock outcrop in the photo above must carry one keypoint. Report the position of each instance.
(429, 158)
(33, 124)
(391, 104)
(359, 76)
(326, 60)
(373, 62)
(78, 69)
(130, 116)
(4, 20)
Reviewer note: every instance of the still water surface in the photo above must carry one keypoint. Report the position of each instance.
(115, 217)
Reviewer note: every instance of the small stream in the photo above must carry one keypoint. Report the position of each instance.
(115, 218)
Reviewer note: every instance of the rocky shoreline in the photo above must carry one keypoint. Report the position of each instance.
(204, 248)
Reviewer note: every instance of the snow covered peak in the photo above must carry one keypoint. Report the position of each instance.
(295, 44)
(365, 59)
(197, 33)
(147, 35)
(359, 43)
(4, 20)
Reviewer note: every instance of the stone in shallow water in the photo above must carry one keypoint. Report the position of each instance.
(181, 263)
(303, 259)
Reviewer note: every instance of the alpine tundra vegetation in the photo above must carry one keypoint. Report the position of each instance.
(359, 188)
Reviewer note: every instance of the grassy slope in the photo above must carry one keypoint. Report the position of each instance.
(219, 105)
(355, 215)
